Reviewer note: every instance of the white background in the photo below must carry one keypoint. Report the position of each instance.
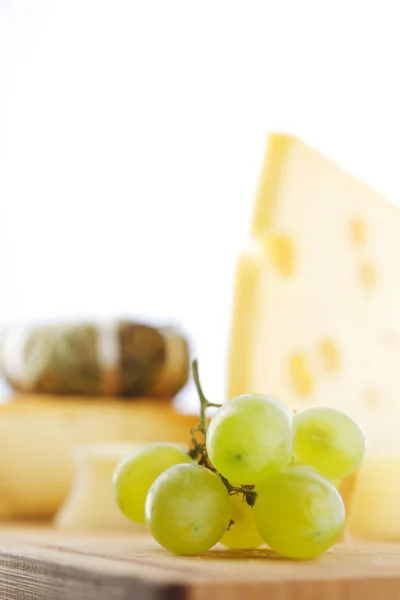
(132, 134)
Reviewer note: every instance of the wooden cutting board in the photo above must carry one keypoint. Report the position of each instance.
(41, 564)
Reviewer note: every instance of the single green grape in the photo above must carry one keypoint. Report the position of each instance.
(134, 475)
(250, 438)
(188, 509)
(329, 441)
(243, 533)
(299, 514)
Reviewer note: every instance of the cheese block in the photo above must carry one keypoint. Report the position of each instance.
(375, 512)
(316, 317)
(37, 435)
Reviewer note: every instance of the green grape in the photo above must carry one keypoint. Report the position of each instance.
(135, 474)
(329, 441)
(188, 509)
(299, 514)
(243, 533)
(250, 438)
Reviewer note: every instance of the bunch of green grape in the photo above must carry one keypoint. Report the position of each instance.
(259, 476)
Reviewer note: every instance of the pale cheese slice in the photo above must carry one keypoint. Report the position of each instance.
(375, 512)
(316, 317)
(90, 503)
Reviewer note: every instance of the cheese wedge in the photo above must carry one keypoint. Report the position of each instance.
(316, 317)
(37, 436)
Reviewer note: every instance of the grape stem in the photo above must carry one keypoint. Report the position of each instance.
(204, 403)
(199, 450)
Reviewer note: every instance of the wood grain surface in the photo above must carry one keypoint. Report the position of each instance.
(41, 564)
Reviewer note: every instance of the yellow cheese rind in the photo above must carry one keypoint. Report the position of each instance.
(243, 332)
(270, 181)
(319, 324)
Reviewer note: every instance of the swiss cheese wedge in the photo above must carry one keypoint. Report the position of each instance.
(317, 299)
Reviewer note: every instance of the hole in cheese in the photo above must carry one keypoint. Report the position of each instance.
(373, 398)
(368, 275)
(329, 354)
(358, 232)
(300, 375)
(281, 253)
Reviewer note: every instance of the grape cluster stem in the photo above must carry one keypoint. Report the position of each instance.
(199, 449)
